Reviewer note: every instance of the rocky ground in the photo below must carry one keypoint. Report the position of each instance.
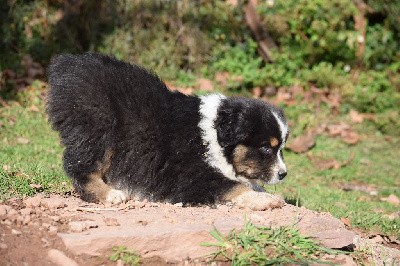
(63, 230)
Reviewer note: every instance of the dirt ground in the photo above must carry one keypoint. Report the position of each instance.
(63, 230)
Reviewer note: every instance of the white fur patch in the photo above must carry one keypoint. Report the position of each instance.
(116, 196)
(283, 127)
(214, 155)
(280, 165)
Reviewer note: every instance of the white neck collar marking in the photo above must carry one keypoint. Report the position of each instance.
(214, 155)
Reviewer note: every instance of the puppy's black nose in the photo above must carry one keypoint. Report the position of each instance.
(282, 175)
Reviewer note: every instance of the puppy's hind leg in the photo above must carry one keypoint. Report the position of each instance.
(89, 181)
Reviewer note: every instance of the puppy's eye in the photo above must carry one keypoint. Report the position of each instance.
(266, 150)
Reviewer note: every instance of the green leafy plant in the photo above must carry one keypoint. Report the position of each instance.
(127, 256)
(260, 245)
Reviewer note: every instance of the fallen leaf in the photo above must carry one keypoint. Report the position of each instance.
(233, 3)
(351, 137)
(392, 199)
(35, 186)
(302, 143)
(346, 221)
(257, 92)
(22, 140)
(205, 84)
(283, 96)
(325, 164)
(356, 117)
(337, 129)
(329, 163)
(33, 108)
(371, 190)
(344, 131)
(20, 174)
(269, 91)
(222, 78)
(392, 216)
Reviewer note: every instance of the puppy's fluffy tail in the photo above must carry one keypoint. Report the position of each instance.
(78, 103)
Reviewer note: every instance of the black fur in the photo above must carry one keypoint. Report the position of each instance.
(98, 104)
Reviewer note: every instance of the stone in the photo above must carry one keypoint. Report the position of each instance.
(26, 211)
(111, 221)
(3, 210)
(54, 203)
(15, 232)
(79, 226)
(33, 202)
(59, 258)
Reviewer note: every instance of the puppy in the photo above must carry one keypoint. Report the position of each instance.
(126, 135)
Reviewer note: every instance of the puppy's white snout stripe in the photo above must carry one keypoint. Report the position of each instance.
(281, 163)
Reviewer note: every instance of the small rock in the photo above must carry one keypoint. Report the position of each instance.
(22, 140)
(46, 226)
(53, 229)
(179, 204)
(392, 199)
(209, 221)
(26, 220)
(19, 219)
(143, 222)
(26, 211)
(33, 201)
(256, 218)
(55, 218)
(55, 204)
(59, 258)
(46, 243)
(392, 216)
(3, 210)
(79, 226)
(139, 204)
(3, 246)
(111, 221)
(223, 207)
(11, 212)
(15, 232)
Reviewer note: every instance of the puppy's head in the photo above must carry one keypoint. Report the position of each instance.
(252, 134)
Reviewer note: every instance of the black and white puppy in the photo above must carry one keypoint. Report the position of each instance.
(126, 135)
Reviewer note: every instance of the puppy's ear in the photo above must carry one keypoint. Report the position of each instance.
(233, 123)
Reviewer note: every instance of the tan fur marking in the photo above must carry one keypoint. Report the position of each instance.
(236, 191)
(241, 165)
(96, 187)
(274, 142)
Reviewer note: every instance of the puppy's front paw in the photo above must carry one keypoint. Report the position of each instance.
(115, 196)
(258, 201)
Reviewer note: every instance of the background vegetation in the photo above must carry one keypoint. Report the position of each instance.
(334, 62)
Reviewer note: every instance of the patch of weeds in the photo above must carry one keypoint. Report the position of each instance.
(260, 245)
(30, 153)
(127, 256)
(375, 164)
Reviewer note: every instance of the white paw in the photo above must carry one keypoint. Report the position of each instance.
(116, 196)
(258, 201)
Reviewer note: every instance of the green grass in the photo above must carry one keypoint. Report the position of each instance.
(127, 256)
(39, 161)
(260, 245)
(375, 163)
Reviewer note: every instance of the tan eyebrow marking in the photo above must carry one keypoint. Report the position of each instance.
(274, 142)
